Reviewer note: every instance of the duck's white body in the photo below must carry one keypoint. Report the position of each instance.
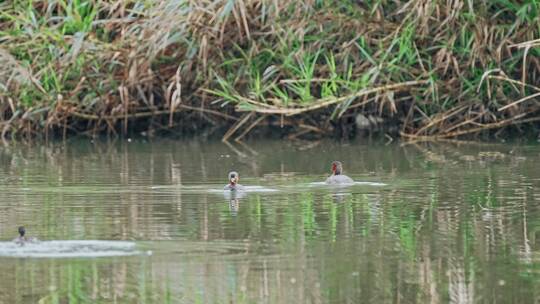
(339, 180)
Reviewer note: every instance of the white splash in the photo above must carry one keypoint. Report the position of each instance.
(258, 189)
(68, 249)
(254, 189)
(371, 184)
(350, 184)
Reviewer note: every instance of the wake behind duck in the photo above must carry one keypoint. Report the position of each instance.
(24, 246)
(69, 249)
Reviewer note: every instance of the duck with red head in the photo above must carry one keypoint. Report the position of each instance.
(233, 184)
(337, 177)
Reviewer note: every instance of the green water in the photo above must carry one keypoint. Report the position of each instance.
(454, 223)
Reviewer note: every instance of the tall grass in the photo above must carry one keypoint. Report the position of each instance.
(436, 69)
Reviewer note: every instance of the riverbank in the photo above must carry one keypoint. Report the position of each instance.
(417, 69)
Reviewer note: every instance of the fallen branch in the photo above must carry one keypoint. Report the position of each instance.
(250, 127)
(236, 126)
(526, 44)
(518, 101)
(326, 102)
(500, 124)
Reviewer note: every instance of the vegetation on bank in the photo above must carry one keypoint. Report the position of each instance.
(434, 69)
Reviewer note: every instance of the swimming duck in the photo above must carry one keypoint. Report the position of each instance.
(22, 239)
(233, 182)
(337, 177)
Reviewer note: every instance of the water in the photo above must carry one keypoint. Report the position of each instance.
(424, 223)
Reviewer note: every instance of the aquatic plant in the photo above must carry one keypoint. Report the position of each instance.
(434, 69)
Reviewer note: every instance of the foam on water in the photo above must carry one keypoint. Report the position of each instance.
(351, 184)
(256, 189)
(207, 188)
(371, 184)
(259, 189)
(69, 249)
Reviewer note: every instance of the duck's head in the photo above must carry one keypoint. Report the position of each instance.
(337, 167)
(22, 231)
(233, 178)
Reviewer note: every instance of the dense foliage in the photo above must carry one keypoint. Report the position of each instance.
(433, 68)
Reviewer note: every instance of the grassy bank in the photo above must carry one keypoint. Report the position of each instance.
(314, 68)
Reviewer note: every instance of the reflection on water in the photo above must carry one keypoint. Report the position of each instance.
(424, 223)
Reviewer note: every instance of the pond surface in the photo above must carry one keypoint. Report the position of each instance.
(429, 223)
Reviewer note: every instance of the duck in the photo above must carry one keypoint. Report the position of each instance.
(337, 178)
(22, 239)
(233, 184)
